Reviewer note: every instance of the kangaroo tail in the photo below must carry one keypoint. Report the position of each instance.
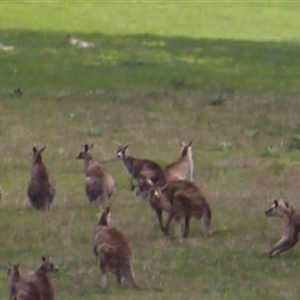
(128, 275)
(206, 221)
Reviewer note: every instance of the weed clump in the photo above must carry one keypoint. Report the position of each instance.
(295, 142)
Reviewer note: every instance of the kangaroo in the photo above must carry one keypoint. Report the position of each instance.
(183, 167)
(41, 279)
(143, 192)
(114, 253)
(290, 226)
(182, 199)
(19, 288)
(136, 167)
(79, 43)
(8, 48)
(40, 189)
(99, 184)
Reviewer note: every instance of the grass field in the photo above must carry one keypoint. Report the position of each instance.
(151, 82)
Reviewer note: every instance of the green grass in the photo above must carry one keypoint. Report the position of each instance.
(151, 46)
(239, 181)
(151, 83)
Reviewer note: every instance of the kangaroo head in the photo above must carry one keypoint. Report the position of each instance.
(47, 265)
(186, 148)
(105, 217)
(154, 191)
(37, 154)
(279, 208)
(86, 151)
(13, 269)
(121, 151)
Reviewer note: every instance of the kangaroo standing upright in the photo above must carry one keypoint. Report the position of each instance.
(19, 288)
(99, 184)
(113, 252)
(40, 189)
(41, 279)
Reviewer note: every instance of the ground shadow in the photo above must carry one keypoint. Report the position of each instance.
(46, 62)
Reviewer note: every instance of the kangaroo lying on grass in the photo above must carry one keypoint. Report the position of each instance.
(114, 253)
(183, 167)
(7, 48)
(41, 279)
(79, 43)
(290, 226)
(19, 288)
(99, 184)
(40, 189)
(182, 199)
(137, 166)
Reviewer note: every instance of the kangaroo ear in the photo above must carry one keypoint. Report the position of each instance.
(107, 210)
(182, 144)
(276, 202)
(41, 150)
(86, 147)
(43, 258)
(34, 150)
(125, 147)
(190, 144)
(149, 181)
(162, 188)
(91, 146)
(287, 204)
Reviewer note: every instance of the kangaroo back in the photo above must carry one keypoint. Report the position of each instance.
(21, 289)
(183, 167)
(91, 167)
(28, 291)
(113, 252)
(99, 185)
(40, 190)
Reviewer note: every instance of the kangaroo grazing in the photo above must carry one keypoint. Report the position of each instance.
(182, 199)
(136, 167)
(99, 184)
(290, 226)
(19, 288)
(41, 279)
(183, 167)
(40, 189)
